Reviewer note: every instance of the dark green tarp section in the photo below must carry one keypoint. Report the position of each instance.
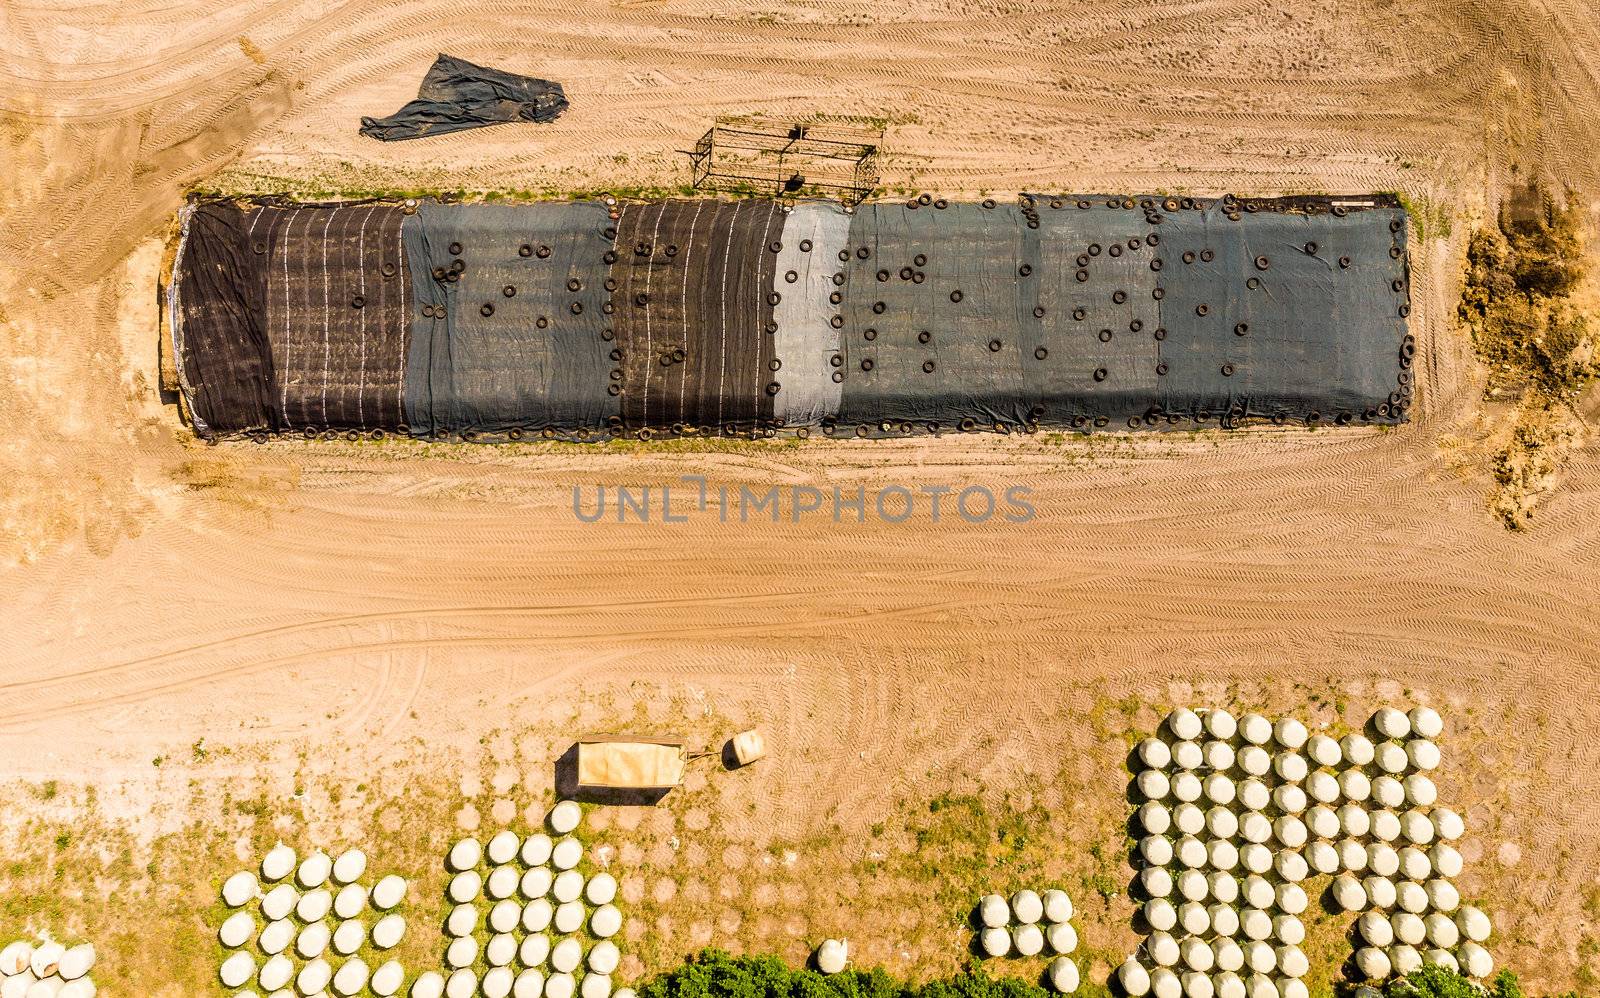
(509, 332)
(1107, 311)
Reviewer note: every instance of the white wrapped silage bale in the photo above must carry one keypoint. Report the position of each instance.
(1135, 980)
(995, 941)
(1414, 864)
(1154, 753)
(1372, 963)
(1375, 929)
(1475, 960)
(1322, 787)
(1028, 939)
(1289, 798)
(1154, 818)
(1385, 826)
(1193, 918)
(1061, 937)
(1184, 724)
(1254, 760)
(1220, 724)
(1224, 920)
(1197, 955)
(1259, 893)
(1391, 758)
(1230, 956)
(1380, 892)
(1222, 854)
(1391, 723)
(1222, 887)
(1153, 784)
(994, 912)
(1442, 930)
(349, 867)
(1405, 959)
(1063, 975)
(1289, 733)
(1197, 985)
(1322, 857)
(1442, 895)
(1292, 961)
(1422, 754)
(1162, 949)
(536, 849)
(1255, 729)
(1254, 827)
(1160, 914)
(1222, 823)
(1409, 896)
(1425, 722)
(1354, 785)
(1349, 893)
(1420, 790)
(1189, 819)
(1358, 749)
(1473, 923)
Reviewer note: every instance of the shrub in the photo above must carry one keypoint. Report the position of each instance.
(1438, 982)
(713, 973)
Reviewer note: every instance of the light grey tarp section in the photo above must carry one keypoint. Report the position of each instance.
(807, 343)
(509, 331)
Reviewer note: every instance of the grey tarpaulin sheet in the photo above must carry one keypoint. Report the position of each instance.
(509, 330)
(1299, 309)
(720, 317)
(456, 95)
(806, 342)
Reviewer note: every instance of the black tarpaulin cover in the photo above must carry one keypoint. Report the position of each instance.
(292, 316)
(457, 95)
(582, 321)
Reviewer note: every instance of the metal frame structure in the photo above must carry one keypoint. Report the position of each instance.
(785, 158)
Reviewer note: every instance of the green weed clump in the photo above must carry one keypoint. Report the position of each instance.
(712, 973)
(1439, 982)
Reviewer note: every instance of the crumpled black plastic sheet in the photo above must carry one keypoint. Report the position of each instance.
(457, 95)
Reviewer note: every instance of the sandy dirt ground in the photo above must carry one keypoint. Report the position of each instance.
(370, 609)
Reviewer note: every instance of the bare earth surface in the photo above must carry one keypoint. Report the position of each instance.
(434, 620)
